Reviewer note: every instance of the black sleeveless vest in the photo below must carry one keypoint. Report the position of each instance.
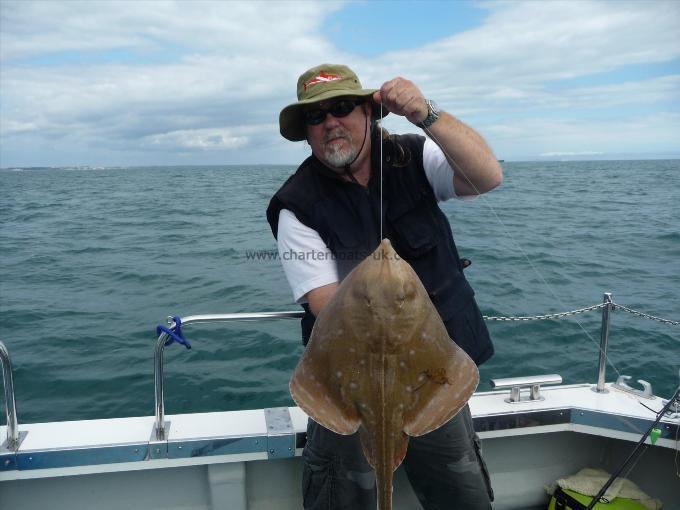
(347, 217)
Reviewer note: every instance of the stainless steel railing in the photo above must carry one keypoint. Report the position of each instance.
(10, 403)
(160, 432)
(604, 339)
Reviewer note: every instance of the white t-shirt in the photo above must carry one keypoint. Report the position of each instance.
(307, 261)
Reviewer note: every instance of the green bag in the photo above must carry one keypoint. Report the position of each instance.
(565, 499)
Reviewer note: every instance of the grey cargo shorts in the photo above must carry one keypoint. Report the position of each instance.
(445, 468)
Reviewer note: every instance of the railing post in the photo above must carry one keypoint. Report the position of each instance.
(604, 338)
(160, 425)
(10, 404)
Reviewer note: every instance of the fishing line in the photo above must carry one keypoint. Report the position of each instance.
(456, 168)
(381, 173)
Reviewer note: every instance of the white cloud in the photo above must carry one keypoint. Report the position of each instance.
(525, 44)
(17, 127)
(205, 139)
(633, 134)
(654, 90)
(212, 27)
(217, 73)
(236, 64)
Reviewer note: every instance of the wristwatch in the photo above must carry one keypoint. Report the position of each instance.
(432, 114)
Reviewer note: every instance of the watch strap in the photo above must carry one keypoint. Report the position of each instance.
(432, 114)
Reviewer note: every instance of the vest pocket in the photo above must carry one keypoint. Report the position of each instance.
(343, 239)
(452, 296)
(347, 249)
(338, 231)
(414, 226)
(467, 328)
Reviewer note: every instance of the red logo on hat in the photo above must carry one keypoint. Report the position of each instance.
(321, 77)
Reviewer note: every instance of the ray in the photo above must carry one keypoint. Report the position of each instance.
(380, 361)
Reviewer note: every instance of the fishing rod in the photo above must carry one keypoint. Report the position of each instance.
(637, 451)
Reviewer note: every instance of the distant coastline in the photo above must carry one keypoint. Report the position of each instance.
(19, 168)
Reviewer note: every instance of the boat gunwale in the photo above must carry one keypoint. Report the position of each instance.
(573, 408)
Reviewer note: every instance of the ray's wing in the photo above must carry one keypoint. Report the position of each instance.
(443, 377)
(318, 384)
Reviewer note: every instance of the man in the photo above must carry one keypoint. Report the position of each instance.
(327, 218)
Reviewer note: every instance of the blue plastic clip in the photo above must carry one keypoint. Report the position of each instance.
(175, 333)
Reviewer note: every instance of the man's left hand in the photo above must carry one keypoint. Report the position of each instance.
(401, 97)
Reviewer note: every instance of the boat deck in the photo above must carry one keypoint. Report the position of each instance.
(250, 459)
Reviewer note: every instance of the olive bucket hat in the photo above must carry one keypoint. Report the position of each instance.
(318, 84)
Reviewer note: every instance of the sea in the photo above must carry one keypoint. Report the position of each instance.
(93, 259)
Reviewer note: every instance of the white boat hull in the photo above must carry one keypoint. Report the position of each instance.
(250, 459)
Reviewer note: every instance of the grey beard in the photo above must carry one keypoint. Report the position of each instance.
(338, 158)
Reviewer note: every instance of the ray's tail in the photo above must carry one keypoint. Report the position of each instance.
(384, 472)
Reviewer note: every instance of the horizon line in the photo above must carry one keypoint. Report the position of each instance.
(551, 159)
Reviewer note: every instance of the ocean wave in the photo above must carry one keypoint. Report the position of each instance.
(92, 263)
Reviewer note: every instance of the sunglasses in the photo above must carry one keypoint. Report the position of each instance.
(338, 109)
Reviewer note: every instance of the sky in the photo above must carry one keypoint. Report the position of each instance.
(134, 83)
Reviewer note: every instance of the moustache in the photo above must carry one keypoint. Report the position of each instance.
(336, 133)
